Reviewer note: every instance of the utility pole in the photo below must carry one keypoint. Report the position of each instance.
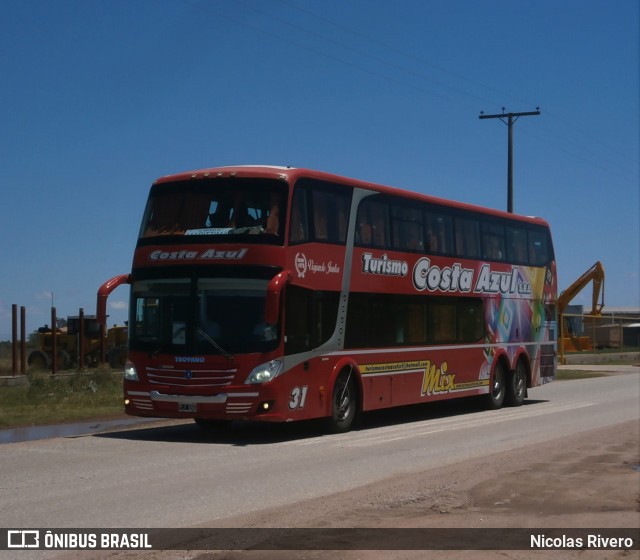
(511, 119)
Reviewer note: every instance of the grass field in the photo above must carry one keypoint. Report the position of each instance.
(567, 374)
(61, 398)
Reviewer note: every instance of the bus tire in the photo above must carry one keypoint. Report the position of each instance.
(517, 385)
(344, 403)
(497, 389)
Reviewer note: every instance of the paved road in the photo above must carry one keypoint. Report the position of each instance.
(173, 475)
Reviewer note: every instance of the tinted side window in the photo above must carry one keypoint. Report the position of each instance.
(539, 249)
(439, 233)
(330, 216)
(372, 223)
(412, 320)
(407, 227)
(299, 232)
(454, 320)
(470, 320)
(441, 322)
(320, 212)
(493, 242)
(310, 318)
(467, 238)
(516, 240)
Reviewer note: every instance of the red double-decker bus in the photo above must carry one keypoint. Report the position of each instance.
(279, 294)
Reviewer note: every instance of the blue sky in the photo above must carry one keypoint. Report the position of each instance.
(99, 98)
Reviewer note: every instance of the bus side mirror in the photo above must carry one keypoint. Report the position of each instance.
(274, 289)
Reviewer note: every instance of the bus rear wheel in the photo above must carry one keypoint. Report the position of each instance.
(517, 385)
(344, 403)
(497, 390)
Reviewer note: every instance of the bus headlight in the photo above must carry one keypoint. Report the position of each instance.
(130, 372)
(265, 372)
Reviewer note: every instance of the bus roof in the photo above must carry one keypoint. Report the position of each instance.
(292, 174)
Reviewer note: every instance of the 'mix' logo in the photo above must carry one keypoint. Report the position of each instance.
(437, 380)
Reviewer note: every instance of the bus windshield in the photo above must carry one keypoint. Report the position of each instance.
(253, 209)
(204, 316)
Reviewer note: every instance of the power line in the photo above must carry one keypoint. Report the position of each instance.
(366, 54)
(315, 51)
(591, 157)
(406, 54)
(444, 95)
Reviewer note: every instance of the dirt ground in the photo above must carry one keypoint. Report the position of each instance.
(587, 481)
(590, 481)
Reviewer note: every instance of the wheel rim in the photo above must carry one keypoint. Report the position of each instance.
(343, 401)
(519, 381)
(498, 383)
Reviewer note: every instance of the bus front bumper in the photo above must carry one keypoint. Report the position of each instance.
(228, 406)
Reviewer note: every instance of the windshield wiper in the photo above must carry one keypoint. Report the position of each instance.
(215, 344)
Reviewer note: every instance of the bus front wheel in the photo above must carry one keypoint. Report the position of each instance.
(497, 390)
(344, 403)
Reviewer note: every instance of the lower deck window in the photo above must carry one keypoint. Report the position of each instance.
(310, 317)
(398, 320)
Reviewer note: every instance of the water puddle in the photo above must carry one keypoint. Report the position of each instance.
(32, 433)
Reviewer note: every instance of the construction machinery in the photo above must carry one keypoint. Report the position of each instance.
(86, 341)
(74, 349)
(569, 339)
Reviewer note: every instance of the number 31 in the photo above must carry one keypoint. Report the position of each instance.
(298, 396)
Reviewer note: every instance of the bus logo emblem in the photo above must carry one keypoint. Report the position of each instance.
(188, 374)
(301, 264)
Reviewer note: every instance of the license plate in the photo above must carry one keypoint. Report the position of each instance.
(187, 407)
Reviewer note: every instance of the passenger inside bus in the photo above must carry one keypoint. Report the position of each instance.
(364, 231)
(413, 236)
(379, 229)
(298, 218)
(273, 219)
(320, 216)
(240, 217)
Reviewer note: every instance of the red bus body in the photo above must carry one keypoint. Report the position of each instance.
(352, 313)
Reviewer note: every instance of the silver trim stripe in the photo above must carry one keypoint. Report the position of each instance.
(238, 408)
(190, 399)
(199, 399)
(142, 404)
(398, 350)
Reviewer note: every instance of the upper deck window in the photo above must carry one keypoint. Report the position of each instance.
(493, 241)
(372, 228)
(390, 223)
(540, 252)
(407, 227)
(251, 208)
(439, 239)
(467, 231)
(320, 212)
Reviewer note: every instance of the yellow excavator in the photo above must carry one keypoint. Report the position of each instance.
(568, 341)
